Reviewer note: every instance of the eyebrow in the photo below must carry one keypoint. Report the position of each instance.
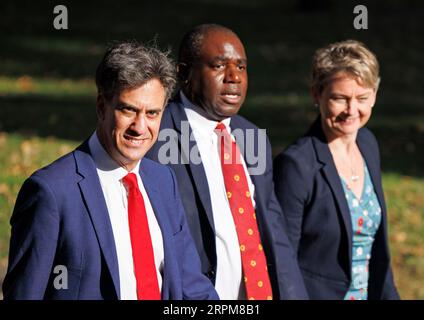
(344, 95)
(222, 58)
(126, 105)
(122, 104)
(364, 94)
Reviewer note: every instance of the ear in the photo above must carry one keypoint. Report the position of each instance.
(183, 71)
(315, 95)
(100, 107)
(373, 98)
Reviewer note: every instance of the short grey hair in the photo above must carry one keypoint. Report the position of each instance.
(129, 65)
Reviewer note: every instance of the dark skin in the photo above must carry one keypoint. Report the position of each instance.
(217, 80)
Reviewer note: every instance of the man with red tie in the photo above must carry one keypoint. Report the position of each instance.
(228, 196)
(103, 222)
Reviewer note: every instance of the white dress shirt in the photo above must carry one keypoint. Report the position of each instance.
(115, 194)
(229, 269)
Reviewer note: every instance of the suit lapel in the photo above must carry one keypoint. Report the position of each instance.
(197, 170)
(92, 194)
(332, 177)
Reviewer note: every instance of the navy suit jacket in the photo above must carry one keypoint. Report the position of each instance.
(285, 276)
(310, 192)
(61, 218)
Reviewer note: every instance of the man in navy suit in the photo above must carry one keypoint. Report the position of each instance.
(76, 223)
(212, 72)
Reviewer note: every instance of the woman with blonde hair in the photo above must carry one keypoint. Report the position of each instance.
(329, 183)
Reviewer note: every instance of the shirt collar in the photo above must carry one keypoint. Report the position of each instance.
(104, 163)
(198, 120)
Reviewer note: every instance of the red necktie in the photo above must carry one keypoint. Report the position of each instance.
(256, 278)
(141, 243)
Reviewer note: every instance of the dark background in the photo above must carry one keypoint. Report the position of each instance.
(280, 38)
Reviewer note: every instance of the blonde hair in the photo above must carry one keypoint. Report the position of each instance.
(351, 57)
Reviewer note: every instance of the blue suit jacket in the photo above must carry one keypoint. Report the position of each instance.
(61, 218)
(309, 190)
(286, 279)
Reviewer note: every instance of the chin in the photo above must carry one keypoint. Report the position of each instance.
(229, 110)
(131, 154)
(135, 156)
(347, 131)
(352, 127)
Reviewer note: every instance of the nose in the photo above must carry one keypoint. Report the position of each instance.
(232, 74)
(140, 124)
(352, 106)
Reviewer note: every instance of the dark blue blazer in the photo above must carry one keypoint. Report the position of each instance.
(286, 279)
(61, 218)
(309, 190)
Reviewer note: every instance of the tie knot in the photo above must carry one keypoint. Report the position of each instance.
(130, 180)
(220, 126)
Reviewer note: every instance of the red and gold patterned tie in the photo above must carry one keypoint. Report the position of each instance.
(255, 271)
(141, 243)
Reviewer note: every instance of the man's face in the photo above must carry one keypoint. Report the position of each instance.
(128, 125)
(217, 81)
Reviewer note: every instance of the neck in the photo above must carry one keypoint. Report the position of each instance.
(198, 106)
(344, 143)
(101, 137)
(344, 151)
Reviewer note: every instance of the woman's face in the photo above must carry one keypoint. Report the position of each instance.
(345, 105)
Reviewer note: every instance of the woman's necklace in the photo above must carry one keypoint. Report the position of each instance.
(353, 176)
(347, 160)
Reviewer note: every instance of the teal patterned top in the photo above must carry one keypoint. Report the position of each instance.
(366, 217)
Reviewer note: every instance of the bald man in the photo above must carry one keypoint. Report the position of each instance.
(212, 71)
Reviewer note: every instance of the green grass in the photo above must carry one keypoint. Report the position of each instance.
(406, 214)
(47, 92)
(27, 85)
